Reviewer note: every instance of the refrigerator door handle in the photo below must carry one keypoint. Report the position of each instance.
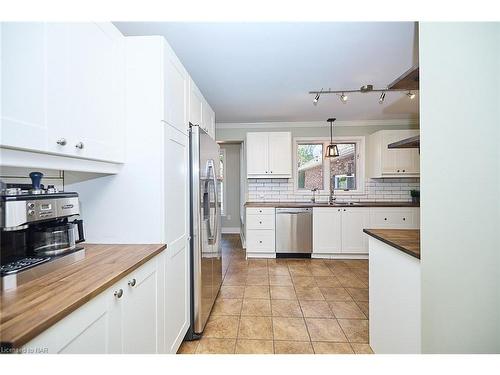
(212, 234)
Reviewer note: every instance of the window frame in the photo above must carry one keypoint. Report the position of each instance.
(360, 163)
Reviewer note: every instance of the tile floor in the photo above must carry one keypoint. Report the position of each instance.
(287, 306)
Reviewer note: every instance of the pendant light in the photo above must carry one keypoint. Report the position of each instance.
(331, 151)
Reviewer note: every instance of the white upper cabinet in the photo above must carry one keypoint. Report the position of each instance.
(23, 85)
(269, 155)
(200, 112)
(385, 162)
(63, 89)
(176, 86)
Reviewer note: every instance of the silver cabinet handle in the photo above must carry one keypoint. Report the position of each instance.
(118, 293)
(61, 142)
(80, 145)
(132, 282)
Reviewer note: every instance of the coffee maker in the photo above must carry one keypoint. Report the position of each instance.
(38, 225)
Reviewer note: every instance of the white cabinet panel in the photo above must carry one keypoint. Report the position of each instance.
(261, 221)
(23, 85)
(354, 220)
(195, 104)
(260, 241)
(394, 217)
(269, 155)
(257, 154)
(327, 230)
(280, 151)
(260, 210)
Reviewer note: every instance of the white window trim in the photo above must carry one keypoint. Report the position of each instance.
(360, 164)
(224, 183)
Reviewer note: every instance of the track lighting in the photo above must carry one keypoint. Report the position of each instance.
(365, 89)
(411, 95)
(316, 98)
(382, 97)
(343, 98)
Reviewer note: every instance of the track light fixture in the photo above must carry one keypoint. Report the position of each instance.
(382, 97)
(316, 98)
(343, 98)
(411, 95)
(365, 89)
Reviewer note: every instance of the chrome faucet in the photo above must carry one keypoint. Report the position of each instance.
(331, 198)
(313, 199)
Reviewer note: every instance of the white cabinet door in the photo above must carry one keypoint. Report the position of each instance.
(257, 154)
(93, 83)
(177, 286)
(23, 85)
(195, 104)
(327, 230)
(176, 86)
(280, 154)
(140, 319)
(399, 161)
(354, 220)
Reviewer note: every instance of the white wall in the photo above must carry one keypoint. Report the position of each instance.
(460, 184)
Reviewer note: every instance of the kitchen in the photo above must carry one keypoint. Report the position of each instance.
(141, 184)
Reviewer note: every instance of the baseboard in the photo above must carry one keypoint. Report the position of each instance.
(230, 230)
(339, 256)
(261, 255)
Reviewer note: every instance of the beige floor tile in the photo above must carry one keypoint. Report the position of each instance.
(364, 307)
(321, 271)
(255, 327)
(254, 346)
(222, 327)
(300, 271)
(256, 291)
(332, 348)
(238, 280)
(279, 271)
(188, 347)
(280, 280)
(304, 281)
(257, 262)
(253, 279)
(356, 330)
(336, 294)
(293, 347)
(315, 309)
(257, 271)
(327, 281)
(347, 310)
(228, 306)
(286, 308)
(325, 330)
(351, 281)
(309, 293)
(293, 329)
(231, 291)
(361, 348)
(283, 292)
(358, 294)
(256, 307)
(216, 346)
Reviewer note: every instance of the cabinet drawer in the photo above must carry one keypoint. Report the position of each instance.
(260, 221)
(392, 218)
(260, 211)
(262, 241)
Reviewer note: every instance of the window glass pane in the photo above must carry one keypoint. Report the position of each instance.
(310, 166)
(343, 167)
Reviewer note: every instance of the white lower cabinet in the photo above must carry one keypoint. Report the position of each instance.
(143, 313)
(338, 232)
(260, 232)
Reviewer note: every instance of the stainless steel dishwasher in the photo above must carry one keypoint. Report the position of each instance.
(294, 230)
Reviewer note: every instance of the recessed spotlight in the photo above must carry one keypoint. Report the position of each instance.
(382, 97)
(411, 95)
(343, 98)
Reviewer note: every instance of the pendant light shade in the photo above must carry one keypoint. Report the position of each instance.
(331, 151)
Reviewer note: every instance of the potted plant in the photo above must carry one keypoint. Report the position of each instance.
(415, 196)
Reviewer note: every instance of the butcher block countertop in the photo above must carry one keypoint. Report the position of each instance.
(323, 204)
(31, 308)
(406, 240)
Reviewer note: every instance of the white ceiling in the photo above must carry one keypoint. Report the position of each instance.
(257, 72)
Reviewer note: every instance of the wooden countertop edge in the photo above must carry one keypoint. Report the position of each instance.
(23, 338)
(391, 243)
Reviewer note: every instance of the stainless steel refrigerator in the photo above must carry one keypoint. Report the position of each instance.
(206, 252)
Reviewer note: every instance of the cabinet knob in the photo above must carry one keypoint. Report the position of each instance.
(398, 170)
(260, 241)
(118, 293)
(132, 282)
(404, 218)
(271, 172)
(260, 222)
(385, 218)
(61, 142)
(80, 145)
(344, 209)
(338, 210)
(404, 170)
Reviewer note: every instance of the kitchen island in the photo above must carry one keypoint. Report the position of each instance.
(394, 290)
(72, 308)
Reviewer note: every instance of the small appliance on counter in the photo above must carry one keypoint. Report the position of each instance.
(40, 229)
